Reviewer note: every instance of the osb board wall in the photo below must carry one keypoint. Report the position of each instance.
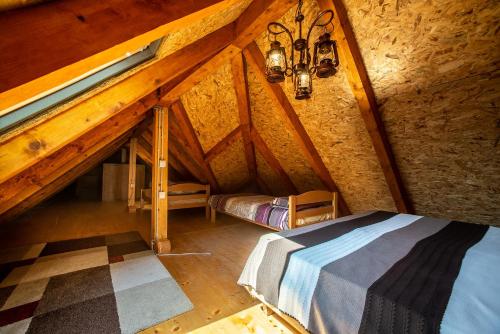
(278, 138)
(230, 168)
(333, 121)
(269, 177)
(434, 68)
(212, 107)
(179, 39)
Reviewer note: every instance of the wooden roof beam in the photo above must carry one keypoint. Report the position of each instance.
(256, 59)
(24, 150)
(240, 82)
(60, 183)
(352, 61)
(47, 170)
(177, 150)
(106, 30)
(192, 140)
(271, 160)
(223, 144)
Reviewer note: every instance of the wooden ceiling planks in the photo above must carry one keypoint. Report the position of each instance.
(256, 59)
(83, 36)
(351, 59)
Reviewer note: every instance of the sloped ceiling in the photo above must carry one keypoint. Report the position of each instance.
(434, 71)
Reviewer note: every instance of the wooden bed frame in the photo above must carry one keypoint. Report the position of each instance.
(202, 192)
(310, 197)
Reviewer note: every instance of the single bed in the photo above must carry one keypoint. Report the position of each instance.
(381, 272)
(277, 213)
(182, 196)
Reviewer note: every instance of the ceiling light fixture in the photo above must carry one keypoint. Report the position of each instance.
(324, 60)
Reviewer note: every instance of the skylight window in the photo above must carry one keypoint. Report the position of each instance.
(77, 87)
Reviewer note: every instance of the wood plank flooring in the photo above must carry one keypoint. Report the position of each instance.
(220, 305)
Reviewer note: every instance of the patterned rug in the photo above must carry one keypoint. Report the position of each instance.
(105, 284)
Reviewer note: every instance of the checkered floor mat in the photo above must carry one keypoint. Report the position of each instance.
(105, 284)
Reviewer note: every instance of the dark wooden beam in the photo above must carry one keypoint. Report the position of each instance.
(224, 143)
(178, 151)
(51, 55)
(240, 81)
(271, 160)
(352, 61)
(255, 58)
(192, 140)
(254, 20)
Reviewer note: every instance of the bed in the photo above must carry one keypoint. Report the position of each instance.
(277, 213)
(182, 196)
(380, 272)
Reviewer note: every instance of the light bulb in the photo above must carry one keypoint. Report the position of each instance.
(304, 79)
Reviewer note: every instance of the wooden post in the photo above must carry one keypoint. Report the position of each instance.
(335, 204)
(207, 208)
(292, 219)
(213, 213)
(159, 211)
(131, 174)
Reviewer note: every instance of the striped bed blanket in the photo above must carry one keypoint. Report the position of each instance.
(261, 209)
(382, 272)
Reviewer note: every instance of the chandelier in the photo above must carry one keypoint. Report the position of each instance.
(323, 63)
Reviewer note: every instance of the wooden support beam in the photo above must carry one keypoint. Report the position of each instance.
(256, 59)
(352, 61)
(47, 170)
(178, 151)
(24, 150)
(238, 68)
(132, 164)
(197, 76)
(224, 143)
(143, 152)
(159, 192)
(106, 31)
(271, 160)
(63, 181)
(254, 20)
(192, 140)
(179, 168)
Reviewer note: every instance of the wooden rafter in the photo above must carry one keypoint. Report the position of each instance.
(143, 152)
(271, 160)
(238, 68)
(47, 170)
(26, 149)
(106, 31)
(178, 151)
(256, 17)
(223, 144)
(192, 140)
(352, 61)
(197, 76)
(256, 59)
(60, 183)
(178, 168)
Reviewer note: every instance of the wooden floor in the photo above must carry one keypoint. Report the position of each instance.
(208, 280)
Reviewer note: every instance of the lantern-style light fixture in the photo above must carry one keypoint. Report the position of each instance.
(324, 62)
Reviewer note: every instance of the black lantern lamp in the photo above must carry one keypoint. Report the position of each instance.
(302, 82)
(276, 64)
(325, 56)
(324, 63)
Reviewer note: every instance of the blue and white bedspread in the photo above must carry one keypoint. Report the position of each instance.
(382, 272)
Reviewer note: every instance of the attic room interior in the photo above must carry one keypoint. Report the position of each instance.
(249, 166)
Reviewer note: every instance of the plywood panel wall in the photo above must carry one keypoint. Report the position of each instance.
(434, 68)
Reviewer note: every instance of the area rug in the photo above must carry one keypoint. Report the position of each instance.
(104, 284)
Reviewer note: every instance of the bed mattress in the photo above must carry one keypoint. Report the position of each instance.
(382, 272)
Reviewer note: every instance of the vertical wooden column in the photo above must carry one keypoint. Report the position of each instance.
(131, 174)
(159, 211)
